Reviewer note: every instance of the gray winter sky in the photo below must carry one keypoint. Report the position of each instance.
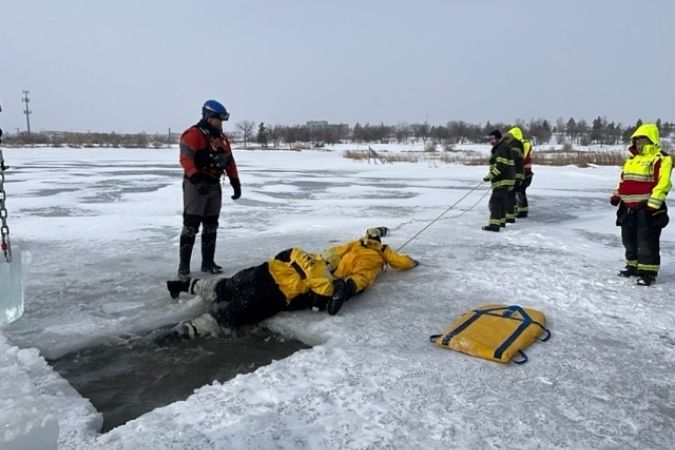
(132, 65)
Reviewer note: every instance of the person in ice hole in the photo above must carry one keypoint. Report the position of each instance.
(293, 279)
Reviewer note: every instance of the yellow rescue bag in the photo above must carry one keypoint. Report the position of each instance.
(495, 332)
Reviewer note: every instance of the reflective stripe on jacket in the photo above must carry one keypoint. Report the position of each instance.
(645, 177)
(502, 169)
(518, 150)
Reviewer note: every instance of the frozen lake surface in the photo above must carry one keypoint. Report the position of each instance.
(99, 231)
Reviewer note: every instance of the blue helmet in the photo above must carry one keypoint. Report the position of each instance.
(213, 108)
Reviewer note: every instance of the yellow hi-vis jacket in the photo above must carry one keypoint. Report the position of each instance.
(527, 157)
(645, 177)
(297, 272)
(517, 133)
(362, 261)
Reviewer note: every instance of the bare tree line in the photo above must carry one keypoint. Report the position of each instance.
(540, 131)
(600, 131)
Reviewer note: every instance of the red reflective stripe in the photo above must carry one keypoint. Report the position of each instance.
(633, 187)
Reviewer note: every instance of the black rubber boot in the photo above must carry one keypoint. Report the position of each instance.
(491, 228)
(208, 253)
(646, 279)
(629, 271)
(185, 253)
(175, 287)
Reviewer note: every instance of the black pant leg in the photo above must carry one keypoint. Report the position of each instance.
(648, 245)
(511, 204)
(521, 197)
(629, 238)
(497, 205)
(248, 297)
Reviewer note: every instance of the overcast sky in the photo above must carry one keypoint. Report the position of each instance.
(129, 66)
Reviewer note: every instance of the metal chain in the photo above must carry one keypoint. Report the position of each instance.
(5, 244)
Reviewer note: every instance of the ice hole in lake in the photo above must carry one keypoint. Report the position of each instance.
(127, 377)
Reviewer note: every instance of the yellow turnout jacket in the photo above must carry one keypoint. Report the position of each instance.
(297, 272)
(362, 261)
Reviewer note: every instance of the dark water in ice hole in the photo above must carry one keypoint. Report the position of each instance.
(124, 380)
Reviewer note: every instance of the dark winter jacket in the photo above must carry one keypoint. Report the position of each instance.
(518, 161)
(502, 172)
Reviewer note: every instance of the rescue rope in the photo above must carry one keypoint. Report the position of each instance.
(444, 213)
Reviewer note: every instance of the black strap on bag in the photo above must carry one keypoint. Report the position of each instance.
(521, 361)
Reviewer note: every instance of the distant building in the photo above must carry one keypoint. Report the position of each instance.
(316, 124)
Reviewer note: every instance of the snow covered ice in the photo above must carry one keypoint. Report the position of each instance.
(99, 233)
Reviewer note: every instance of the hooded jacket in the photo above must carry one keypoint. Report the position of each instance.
(518, 150)
(362, 261)
(645, 177)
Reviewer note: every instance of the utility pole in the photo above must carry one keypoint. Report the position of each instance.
(27, 111)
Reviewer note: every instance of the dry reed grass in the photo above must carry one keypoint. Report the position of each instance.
(542, 158)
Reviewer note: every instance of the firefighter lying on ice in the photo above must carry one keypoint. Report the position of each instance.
(293, 279)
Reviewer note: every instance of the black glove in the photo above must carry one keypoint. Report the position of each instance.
(319, 301)
(236, 185)
(342, 291)
(615, 200)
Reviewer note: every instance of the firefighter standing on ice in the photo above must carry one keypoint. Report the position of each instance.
(502, 179)
(521, 195)
(205, 154)
(514, 137)
(640, 195)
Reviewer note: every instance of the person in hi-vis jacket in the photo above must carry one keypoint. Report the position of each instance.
(641, 197)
